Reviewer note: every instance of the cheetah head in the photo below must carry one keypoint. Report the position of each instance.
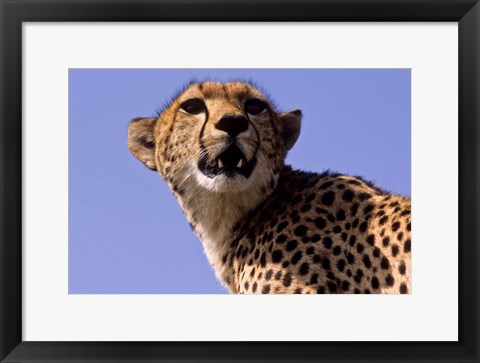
(227, 136)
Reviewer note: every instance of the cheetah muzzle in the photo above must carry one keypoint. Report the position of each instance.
(265, 227)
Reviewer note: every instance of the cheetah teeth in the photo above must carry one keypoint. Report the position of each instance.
(220, 164)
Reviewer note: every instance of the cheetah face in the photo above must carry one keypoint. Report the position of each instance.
(229, 149)
(228, 136)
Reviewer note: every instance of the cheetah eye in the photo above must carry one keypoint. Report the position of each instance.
(193, 106)
(255, 107)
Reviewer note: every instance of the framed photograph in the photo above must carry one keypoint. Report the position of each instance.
(241, 181)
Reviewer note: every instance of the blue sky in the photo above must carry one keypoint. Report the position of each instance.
(127, 234)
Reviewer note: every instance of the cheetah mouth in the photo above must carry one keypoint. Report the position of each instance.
(230, 162)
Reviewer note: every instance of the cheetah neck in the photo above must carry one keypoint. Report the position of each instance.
(213, 216)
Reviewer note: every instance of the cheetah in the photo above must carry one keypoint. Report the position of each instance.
(267, 228)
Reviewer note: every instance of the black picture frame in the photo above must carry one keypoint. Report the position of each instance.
(14, 12)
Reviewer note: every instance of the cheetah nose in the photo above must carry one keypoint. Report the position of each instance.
(232, 125)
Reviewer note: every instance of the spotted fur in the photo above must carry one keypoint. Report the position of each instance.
(265, 227)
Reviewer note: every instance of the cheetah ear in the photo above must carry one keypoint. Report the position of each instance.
(141, 142)
(291, 121)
